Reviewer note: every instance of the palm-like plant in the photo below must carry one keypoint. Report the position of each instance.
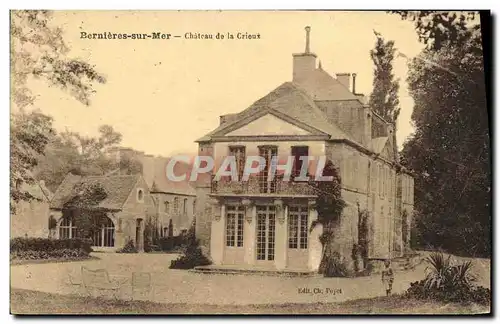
(461, 274)
(444, 274)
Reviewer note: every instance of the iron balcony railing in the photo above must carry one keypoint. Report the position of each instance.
(260, 184)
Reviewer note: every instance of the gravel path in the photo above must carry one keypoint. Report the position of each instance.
(181, 286)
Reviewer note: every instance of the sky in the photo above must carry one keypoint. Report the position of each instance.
(163, 94)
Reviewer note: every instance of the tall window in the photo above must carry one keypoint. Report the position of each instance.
(67, 228)
(389, 186)
(194, 206)
(184, 206)
(234, 225)
(380, 181)
(373, 178)
(266, 232)
(176, 205)
(239, 154)
(166, 207)
(104, 232)
(297, 152)
(267, 152)
(385, 182)
(298, 227)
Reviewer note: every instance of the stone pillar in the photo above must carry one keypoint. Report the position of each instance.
(280, 257)
(217, 233)
(140, 239)
(119, 235)
(249, 229)
(315, 248)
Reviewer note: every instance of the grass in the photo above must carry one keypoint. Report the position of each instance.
(39, 303)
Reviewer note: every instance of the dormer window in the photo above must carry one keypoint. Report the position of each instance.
(140, 195)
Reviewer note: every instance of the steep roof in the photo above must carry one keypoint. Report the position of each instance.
(322, 86)
(117, 187)
(161, 183)
(291, 100)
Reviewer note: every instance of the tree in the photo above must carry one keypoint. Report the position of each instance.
(81, 155)
(384, 98)
(329, 205)
(130, 165)
(30, 132)
(449, 150)
(92, 148)
(38, 50)
(440, 28)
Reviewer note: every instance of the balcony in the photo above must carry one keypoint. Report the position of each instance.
(260, 186)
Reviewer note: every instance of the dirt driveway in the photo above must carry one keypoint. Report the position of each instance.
(182, 286)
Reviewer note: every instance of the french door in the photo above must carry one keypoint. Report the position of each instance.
(267, 153)
(266, 233)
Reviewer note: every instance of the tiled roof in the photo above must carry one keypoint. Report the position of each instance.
(293, 101)
(322, 86)
(117, 187)
(260, 104)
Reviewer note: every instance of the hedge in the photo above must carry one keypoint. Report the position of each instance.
(62, 254)
(46, 245)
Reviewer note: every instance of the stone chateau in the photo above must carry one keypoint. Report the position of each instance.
(266, 224)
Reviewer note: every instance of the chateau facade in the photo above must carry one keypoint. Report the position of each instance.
(266, 223)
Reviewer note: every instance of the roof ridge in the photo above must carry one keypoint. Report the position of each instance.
(255, 105)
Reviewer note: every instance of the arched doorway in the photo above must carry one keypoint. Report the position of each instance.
(103, 232)
(67, 227)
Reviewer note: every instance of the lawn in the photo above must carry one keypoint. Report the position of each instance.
(33, 302)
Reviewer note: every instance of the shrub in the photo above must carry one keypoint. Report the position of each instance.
(129, 247)
(64, 254)
(449, 282)
(44, 244)
(192, 255)
(334, 267)
(189, 260)
(172, 243)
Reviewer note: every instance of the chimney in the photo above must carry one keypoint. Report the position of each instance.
(354, 83)
(344, 78)
(304, 63)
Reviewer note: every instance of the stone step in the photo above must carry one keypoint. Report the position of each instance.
(247, 271)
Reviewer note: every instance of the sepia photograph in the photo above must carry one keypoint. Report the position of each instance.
(229, 162)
